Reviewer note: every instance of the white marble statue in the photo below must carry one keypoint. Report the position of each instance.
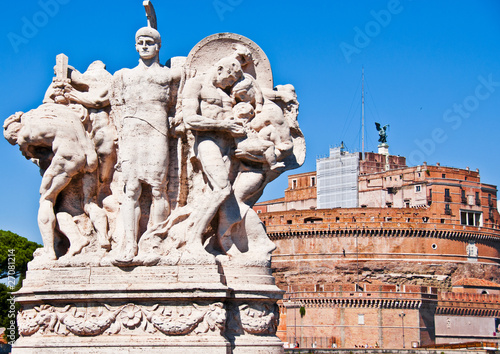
(161, 164)
(141, 101)
(54, 138)
(149, 179)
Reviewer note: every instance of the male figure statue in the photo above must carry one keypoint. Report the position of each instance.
(91, 90)
(207, 110)
(140, 101)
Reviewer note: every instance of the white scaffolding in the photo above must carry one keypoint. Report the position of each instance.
(337, 176)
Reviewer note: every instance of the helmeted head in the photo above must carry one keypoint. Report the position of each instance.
(147, 42)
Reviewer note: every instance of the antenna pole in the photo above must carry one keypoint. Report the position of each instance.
(362, 113)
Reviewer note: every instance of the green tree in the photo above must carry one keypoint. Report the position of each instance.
(302, 311)
(5, 311)
(21, 248)
(15, 253)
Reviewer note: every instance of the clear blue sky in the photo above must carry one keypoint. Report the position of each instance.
(432, 72)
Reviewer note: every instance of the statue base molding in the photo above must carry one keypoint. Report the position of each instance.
(125, 344)
(178, 309)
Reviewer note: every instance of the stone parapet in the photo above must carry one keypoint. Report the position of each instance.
(396, 300)
(484, 305)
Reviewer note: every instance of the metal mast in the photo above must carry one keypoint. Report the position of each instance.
(362, 158)
(362, 113)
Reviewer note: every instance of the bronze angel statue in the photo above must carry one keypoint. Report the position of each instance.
(382, 132)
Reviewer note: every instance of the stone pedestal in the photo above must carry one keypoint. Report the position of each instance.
(174, 309)
(383, 149)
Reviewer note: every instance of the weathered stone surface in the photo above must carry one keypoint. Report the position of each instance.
(440, 275)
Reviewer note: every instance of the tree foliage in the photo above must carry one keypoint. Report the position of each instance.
(302, 311)
(8, 318)
(22, 250)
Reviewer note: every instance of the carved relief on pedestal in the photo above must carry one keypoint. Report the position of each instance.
(254, 318)
(94, 320)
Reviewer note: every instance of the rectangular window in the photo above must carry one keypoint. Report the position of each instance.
(313, 181)
(294, 183)
(447, 197)
(417, 188)
(361, 319)
(471, 218)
